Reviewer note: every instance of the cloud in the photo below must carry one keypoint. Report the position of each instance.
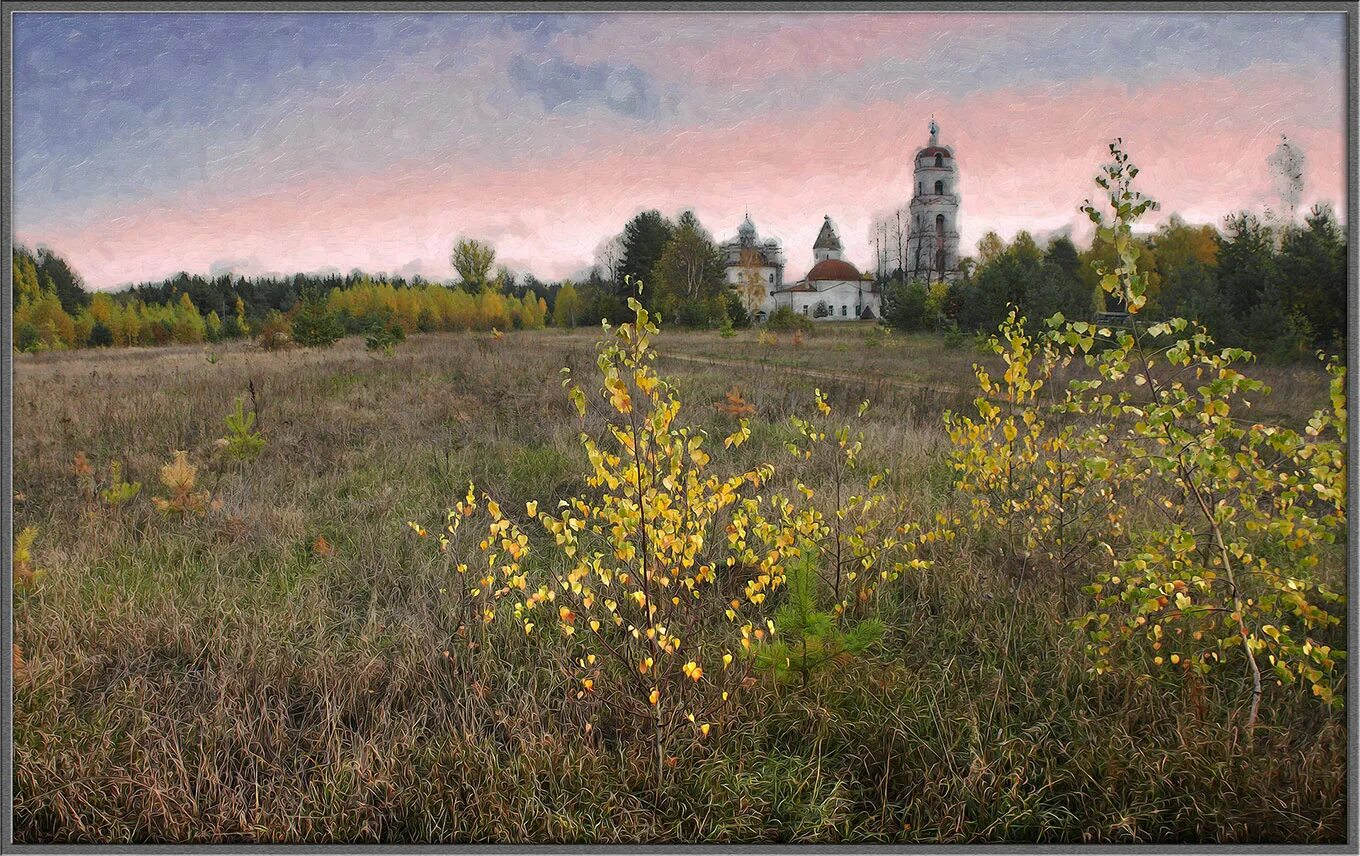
(556, 82)
(545, 133)
(221, 267)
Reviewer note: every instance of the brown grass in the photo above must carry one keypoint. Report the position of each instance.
(222, 679)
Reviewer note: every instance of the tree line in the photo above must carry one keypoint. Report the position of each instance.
(1278, 289)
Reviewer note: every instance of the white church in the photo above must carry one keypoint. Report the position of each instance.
(834, 289)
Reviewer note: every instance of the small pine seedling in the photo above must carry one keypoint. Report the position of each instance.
(119, 492)
(179, 477)
(809, 636)
(243, 441)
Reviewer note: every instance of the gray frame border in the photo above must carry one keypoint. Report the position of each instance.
(1351, 12)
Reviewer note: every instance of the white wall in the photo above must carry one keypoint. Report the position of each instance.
(837, 295)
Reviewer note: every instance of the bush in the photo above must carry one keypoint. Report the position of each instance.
(385, 337)
(907, 307)
(276, 333)
(27, 339)
(785, 320)
(736, 311)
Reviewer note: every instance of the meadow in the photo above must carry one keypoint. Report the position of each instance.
(288, 665)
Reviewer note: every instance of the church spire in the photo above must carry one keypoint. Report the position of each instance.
(934, 132)
(828, 244)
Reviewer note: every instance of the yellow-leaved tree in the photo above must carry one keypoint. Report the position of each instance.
(656, 581)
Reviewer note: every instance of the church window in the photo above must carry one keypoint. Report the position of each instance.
(804, 308)
(771, 277)
(939, 188)
(939, 160)
(844, 310)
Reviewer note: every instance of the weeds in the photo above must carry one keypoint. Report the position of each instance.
(239, 677)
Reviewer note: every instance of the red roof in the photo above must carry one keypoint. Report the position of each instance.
(834, 270)
(931, 151)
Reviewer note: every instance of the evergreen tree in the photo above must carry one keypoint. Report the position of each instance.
(315, 326)
(644, 240)
(100, 335)
(1312, 270)
(1246, 262)
(57, 275)
(905, 306)
(809, 636)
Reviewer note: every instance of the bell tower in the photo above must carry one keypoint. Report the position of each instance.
(933, 234)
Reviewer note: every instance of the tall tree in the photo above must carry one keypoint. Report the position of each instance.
(1246, 262)
(990, 248)
(54, 272)
(689, 273)
(26, 285)
(609, 260)
(1312, 271)
(644, 239)
(567, 306)
(473, 259)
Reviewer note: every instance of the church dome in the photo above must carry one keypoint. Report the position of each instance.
(932, 151)
(833, 270)
(747, 228)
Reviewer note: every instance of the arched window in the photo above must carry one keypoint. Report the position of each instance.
(939, 188)
(939, 225)
(918, 188)
(939, 160)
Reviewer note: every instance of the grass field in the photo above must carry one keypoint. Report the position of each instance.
(274, 670)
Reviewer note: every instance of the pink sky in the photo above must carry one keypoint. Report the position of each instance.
(734, 129)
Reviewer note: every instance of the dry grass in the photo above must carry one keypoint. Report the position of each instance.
(221, 679)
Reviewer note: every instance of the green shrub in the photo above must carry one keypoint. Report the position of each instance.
(953, 336)
(242, 441)
(785, 320)
(315, 326)
(385, 337)
(27, 339)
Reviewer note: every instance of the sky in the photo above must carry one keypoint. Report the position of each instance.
(151, 143)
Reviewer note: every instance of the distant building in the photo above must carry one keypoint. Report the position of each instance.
(834, 290)
(933, 234)
(755, 268)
